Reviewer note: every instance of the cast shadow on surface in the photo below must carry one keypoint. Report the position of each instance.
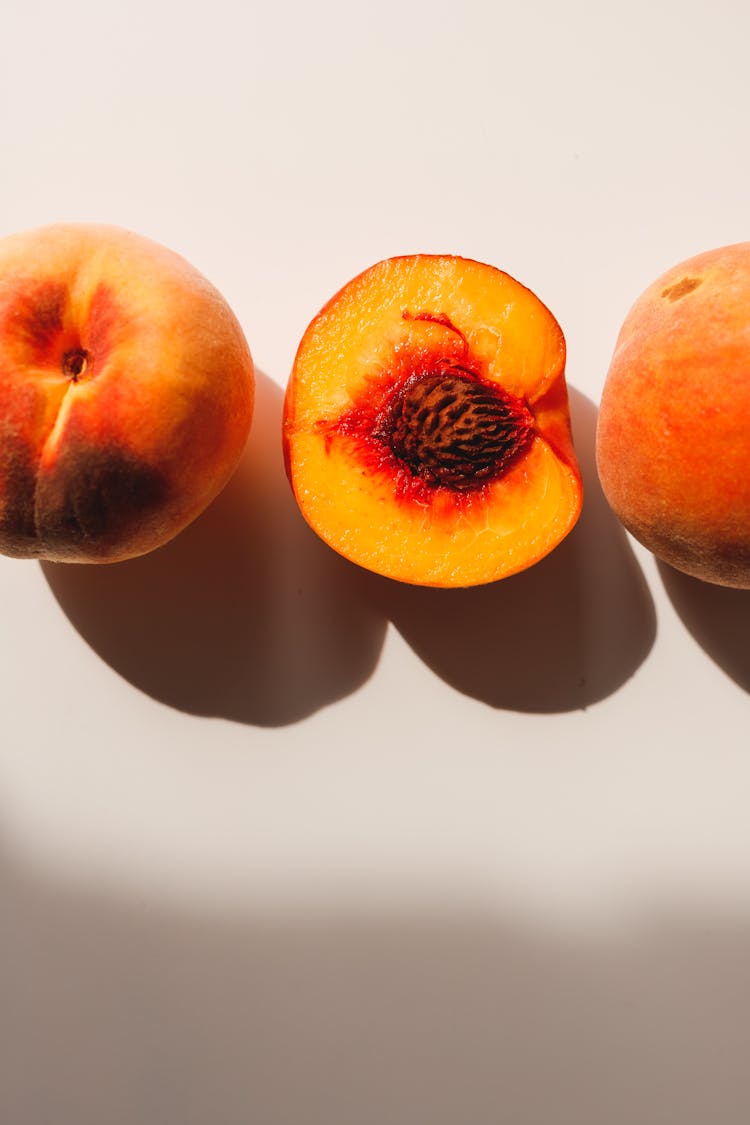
(245, 615)
(717, 616)
(557, 637)
(118, 1011)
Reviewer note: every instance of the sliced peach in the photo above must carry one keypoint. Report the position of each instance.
(426, 424)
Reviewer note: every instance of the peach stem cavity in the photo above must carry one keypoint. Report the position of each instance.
(74, 363)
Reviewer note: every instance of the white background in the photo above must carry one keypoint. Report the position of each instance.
(283, 842)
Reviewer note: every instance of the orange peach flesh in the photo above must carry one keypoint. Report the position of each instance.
(673, 450)
(126, 392)
(400, 314)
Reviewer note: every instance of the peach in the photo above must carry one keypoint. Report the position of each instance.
(426, 427)
(126, 393)
(673, 437)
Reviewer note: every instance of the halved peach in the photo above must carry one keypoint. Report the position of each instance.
(426, 424)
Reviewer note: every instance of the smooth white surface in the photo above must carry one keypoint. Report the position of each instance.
(285, 843)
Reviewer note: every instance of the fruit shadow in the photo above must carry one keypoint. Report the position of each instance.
(561, 635)
(718, 618)
(245, 615)
(120, 1011)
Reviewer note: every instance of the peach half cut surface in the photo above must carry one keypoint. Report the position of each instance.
(426, 424)
(126, 393)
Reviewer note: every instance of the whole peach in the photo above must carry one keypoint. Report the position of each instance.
(673, 439)
(126, 393)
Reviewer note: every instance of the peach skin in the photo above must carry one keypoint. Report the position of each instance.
(126, 393)
(673, 438)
